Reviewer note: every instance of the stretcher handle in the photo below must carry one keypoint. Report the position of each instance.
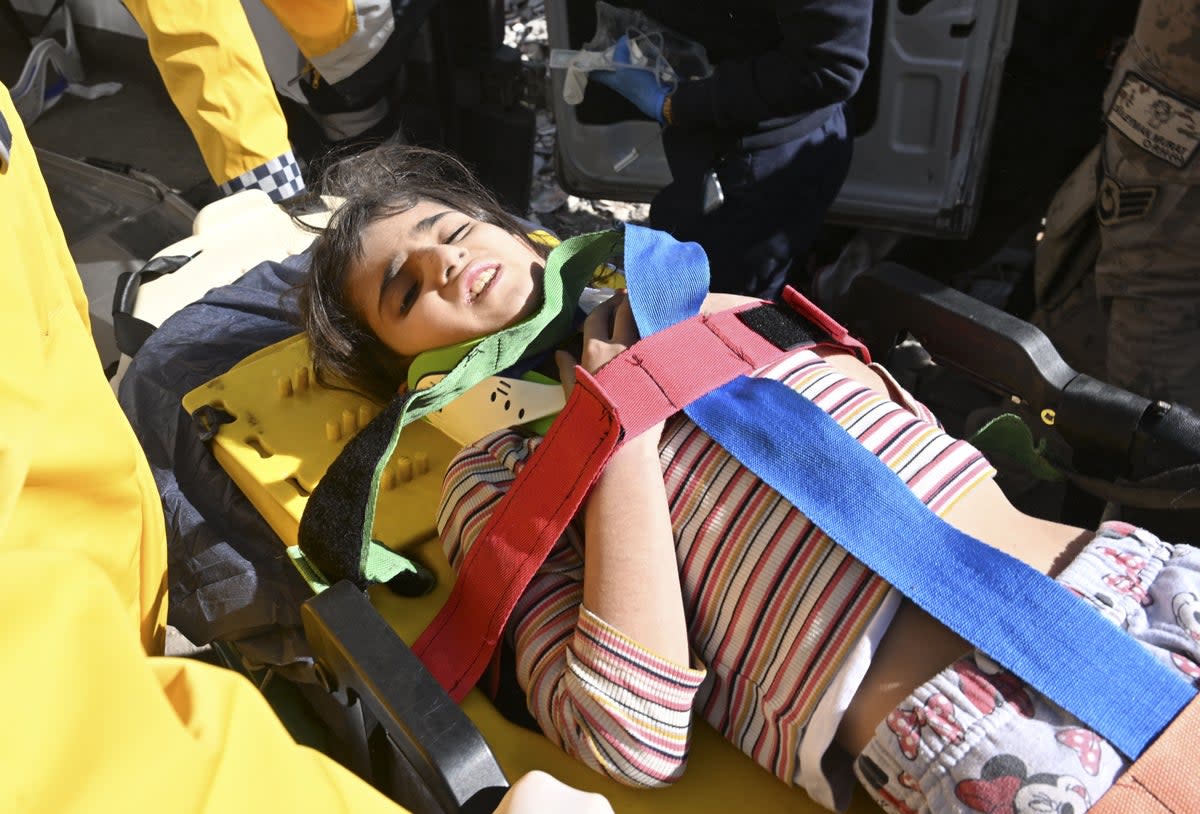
(996, 348)
(440, 760)
(1010, 356)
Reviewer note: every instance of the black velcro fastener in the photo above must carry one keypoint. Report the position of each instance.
(208, 420)
(331, 527)
(783, 327)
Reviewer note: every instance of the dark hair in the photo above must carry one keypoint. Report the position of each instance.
(377, 184)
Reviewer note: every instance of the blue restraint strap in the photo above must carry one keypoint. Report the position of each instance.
(1017, 615)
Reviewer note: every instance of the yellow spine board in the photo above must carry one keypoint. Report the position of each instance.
(287, 430)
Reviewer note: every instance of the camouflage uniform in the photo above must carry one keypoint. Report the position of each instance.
(1148, 204)
(1064, 281)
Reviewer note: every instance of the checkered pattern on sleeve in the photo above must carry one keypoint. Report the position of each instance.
(280, 178)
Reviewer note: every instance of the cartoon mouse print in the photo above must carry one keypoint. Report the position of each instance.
(1132, 566)
(1006, 787)
(874, 776)
(1186, 607)
(987, 685)
(937, 714)
(1187, 613)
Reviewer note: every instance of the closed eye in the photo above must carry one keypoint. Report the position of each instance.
(459, 232)
(410, 297)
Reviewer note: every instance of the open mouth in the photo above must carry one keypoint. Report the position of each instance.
(481, 282)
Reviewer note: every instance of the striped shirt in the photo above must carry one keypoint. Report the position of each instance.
(773, 605)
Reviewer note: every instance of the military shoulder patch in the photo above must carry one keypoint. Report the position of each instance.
(1161, 123)
(1117, 204)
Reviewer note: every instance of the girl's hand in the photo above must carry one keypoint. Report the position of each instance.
(721, 302)
(538, 792)
(607, 331)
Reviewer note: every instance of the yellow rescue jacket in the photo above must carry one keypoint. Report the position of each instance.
(214, 71)
(94, 719)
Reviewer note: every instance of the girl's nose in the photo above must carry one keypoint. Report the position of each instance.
(442, 263)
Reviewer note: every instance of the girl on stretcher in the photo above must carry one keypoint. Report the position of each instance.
(689, 587)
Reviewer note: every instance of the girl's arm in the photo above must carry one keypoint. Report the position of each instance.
(599, 695)
(611, 684)
(631, 574)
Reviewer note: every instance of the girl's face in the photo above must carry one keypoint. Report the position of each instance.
(432, 276)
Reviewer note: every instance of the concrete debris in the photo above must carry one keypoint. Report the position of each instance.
(548, 199)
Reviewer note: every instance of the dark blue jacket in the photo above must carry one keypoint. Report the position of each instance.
(779, 63)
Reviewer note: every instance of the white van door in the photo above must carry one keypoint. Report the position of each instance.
(923, 118)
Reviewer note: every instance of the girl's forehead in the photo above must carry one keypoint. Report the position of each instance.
(408, 220)
(393, 231)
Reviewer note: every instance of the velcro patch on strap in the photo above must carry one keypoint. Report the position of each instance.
(783, 327)
(1161, 123)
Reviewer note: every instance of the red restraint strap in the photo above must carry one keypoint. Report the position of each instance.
(651, 381)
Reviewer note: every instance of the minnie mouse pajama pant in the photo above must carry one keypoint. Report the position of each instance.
(975, 738)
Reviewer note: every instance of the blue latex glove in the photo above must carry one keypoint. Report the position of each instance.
(638, 85)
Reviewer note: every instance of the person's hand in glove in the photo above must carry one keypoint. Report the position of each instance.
(637, 84)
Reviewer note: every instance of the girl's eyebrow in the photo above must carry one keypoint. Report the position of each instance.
(427, 223)
(423, 225)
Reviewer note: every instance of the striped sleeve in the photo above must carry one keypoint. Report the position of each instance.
(618, 707)
(603, 698)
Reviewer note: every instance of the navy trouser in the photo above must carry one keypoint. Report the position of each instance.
(775, 200)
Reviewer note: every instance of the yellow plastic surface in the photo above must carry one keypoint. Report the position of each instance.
(287, 431)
